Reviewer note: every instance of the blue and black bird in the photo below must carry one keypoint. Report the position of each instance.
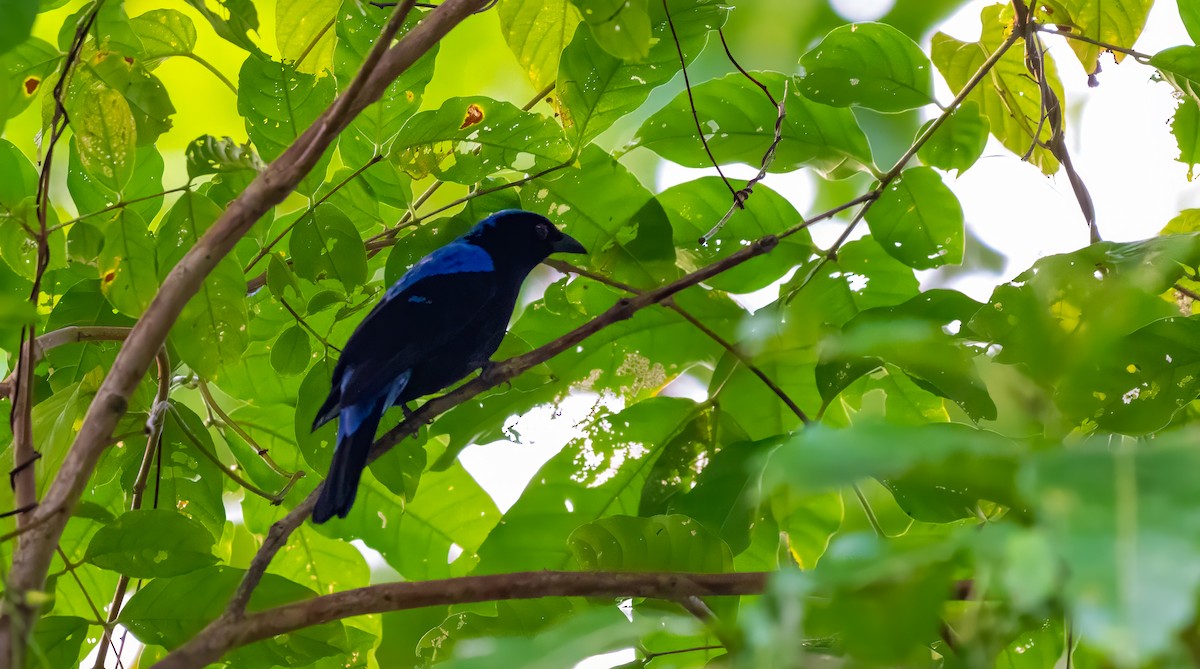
(442, 320)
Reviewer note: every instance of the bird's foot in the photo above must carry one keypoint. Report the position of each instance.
(489, 372)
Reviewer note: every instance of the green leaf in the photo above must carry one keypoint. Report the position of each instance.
(596, 88)
(145, 186)
(23, 70)
(147, 97)
(695, 206)
(660, 543)
(937, 472)
(598, 202)
(918, 220)
(170, 611)
(468, 139)
(1123, 517)
(211, 330)
(1180, 65)
(211, 155)
(1065, 312)
(916, 336)
(278, 104)
(292, 352)
(57, 640)
(568, 643)
(164, 33)
(304, 33)
(1185, 125)
(105, 129)
(18, 23)
(598, 475)
(55, 422)
(371, 132)
(1190, 13)
(537, 31)
(325, 244)
(810, 521)
(1141, 382)
(190, 482)
(149, 543)
(1117, 22)
(621, 27)
(959, 142)
(234, 21)
(861, 583)
(868, 64)
(739, 123)
(128, 275)
(1011, 103)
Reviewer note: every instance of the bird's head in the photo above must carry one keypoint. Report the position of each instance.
(521, 237)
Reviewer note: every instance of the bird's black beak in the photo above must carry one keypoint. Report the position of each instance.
(567, 244)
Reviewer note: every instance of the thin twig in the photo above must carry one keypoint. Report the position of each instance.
(1143, 58)
(687, 84)
(119, 205)
(262, 452)
(313, 43)
(212, 68)
(274, 498)
(154, 428)
(262, 252)
(304, 324)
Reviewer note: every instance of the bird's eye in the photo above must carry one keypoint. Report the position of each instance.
(542, 231)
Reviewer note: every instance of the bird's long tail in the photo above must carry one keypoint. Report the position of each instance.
(356, 432)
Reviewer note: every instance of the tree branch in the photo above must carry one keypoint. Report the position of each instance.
(32, 557)
(229, 632)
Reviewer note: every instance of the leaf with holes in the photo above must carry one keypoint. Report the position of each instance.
(1180, 65)
(468, 139)
(695, 206)
(868, 64)
(739, 123)
(105, 131)
(1141, 382)
(1186, 127)
(278, 103)
(918, 220)
(136, 544)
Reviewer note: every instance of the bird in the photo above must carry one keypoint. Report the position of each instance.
(438, 323)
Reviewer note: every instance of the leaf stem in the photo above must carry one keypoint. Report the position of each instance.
(211, 68)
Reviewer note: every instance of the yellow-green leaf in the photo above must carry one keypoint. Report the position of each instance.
(1009, 98)
(304, 31)
(1117, 22)
(537, 31)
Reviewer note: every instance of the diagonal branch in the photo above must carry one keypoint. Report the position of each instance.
(382, 66)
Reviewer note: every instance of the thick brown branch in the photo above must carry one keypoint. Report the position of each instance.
(32, 557)
(231, 632)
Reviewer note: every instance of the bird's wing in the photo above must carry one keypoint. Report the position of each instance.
(438, 298)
